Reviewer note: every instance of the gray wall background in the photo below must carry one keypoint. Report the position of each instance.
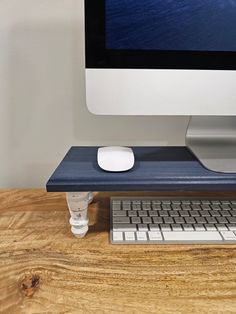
(42, 94)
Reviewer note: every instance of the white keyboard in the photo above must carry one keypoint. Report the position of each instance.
(174, 221)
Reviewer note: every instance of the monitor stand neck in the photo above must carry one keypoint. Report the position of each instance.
(213, 142)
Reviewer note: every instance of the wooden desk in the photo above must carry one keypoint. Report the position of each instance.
(44, 269)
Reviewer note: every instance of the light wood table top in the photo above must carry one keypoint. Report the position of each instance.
(44, 269)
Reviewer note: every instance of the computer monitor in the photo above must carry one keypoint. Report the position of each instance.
(169, 57)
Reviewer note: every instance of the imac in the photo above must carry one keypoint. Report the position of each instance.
(159, 57)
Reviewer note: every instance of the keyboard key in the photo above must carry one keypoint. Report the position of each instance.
(156, 202)
(146, 207)
(166, 207)
(211, 220)
(154, 227)
(147, 220)
(126, 203)
(214, 213)
(126, 206)
(210, 227)
(205, 213)
(225, 207)
(156, 207)
(215, 202)
(166, 202)
(221, 227)
(116, 207)
(205, 207)
(199, 227)
(154, 236)
(184, 213)
(165, 227)
(197, 202)
(136, 220)
(187, 227)
(141, 236)
(142, 213)
(146, 202)
(185, 202)
(186, 207)
(179, 220)
(117, 236)
(231, 227)
(190, 220)
(216, 207)
(194, 213)
(132, 213)
(228, 235)
(225, 202)
(163, 213)
(176, 207)
(206, 202)
(232, 220)
(176, 202)
(192, 236)
(114, 202)
(196, 207)
(153, 213)
(124, 227)
(200, 220)
(174, 213)
(168, 220)
(142, 227)
(121, 220)
(157, 220)
(176, 227)
(129, 236)
(117, 213)
(222, 220)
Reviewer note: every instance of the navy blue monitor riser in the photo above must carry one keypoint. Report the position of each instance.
(156, 169)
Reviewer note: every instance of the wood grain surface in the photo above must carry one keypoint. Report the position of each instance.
(44, 269)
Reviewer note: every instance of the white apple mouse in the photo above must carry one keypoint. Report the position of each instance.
(115, 158)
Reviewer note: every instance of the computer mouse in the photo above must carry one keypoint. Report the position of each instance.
(115, 158)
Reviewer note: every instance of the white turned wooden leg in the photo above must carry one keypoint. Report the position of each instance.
(90, 197)
(78, 206)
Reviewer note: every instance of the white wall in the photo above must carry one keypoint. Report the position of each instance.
(42, 94)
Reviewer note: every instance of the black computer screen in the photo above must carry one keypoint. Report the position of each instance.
(195, 25)
(161, 34)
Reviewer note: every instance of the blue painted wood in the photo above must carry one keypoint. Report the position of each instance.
(156, 169)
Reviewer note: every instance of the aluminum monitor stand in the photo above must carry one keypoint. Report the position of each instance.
(213, 142)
